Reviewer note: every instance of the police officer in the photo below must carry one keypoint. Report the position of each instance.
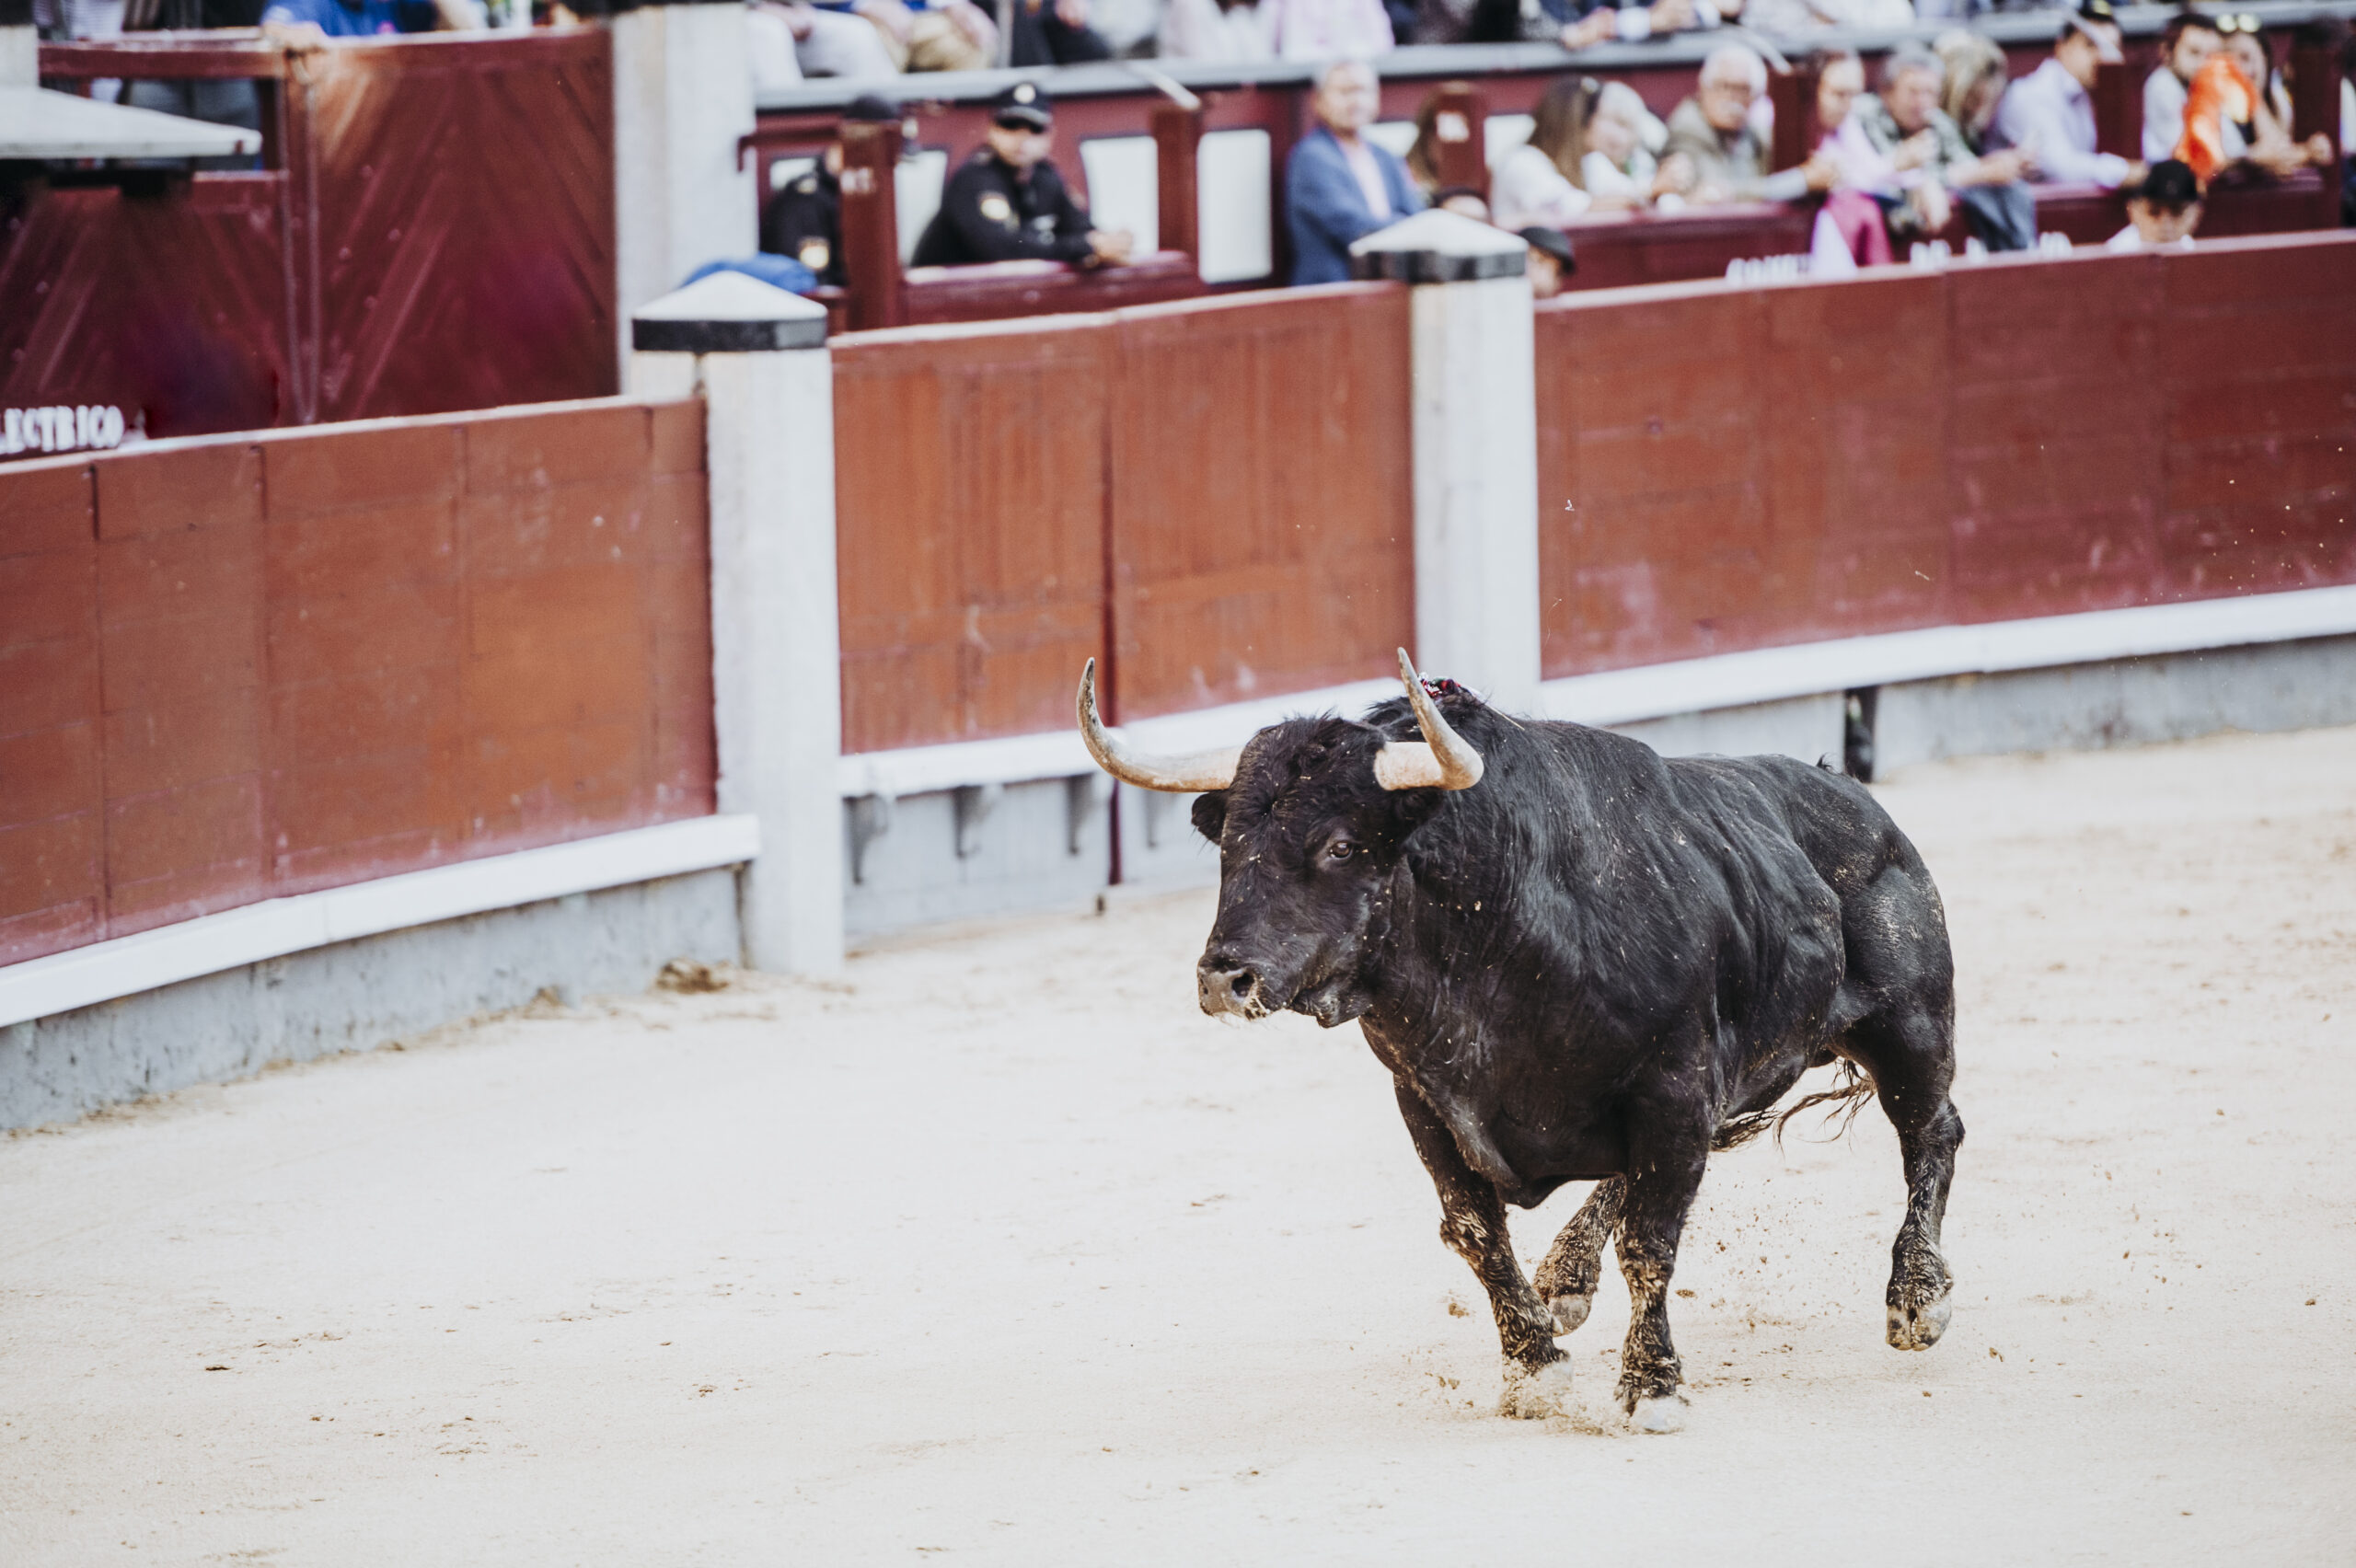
(1008, 202)
(805, 219)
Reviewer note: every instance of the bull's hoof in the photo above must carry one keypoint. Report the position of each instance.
(1569, 1311)
(1918, 1325)
(1534, 1393)
(1664, 1414)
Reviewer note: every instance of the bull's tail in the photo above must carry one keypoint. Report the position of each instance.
(1847, 1097)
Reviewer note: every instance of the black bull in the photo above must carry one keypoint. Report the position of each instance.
(1594, 964)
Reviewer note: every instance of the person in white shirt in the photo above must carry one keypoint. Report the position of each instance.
(1619, 167)
(2050, 113)
(1228, 33)
(1332, 30)
(2163, 210)
(2190, 38)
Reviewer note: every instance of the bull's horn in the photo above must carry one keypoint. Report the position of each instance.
(1441, 760)
(1179, 775)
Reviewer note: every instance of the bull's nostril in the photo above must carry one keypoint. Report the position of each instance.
(1239, 981)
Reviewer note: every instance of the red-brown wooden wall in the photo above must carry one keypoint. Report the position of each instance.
(437, 233)
(237, 668)
(1233, 472)
(1722, 470)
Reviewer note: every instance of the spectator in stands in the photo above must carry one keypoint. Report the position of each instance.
(1338, 185)
(1869, 203)
(308, 22)
(791, 40)
(1907, 125)
(2190, 41)
(1573, 24)
(1550, 261)
(1620, 168)
(1330, 30)
(2266, 134)
(2049, 115)
(1976, 74)
(1227, 32)
(1008, 202)
(1054, 32)
(805, 219)
(1543, 183)
(1798, 19)
(1714, 130)
(2163, 209)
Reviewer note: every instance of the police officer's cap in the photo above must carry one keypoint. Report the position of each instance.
(1025, 104)
(871, 109)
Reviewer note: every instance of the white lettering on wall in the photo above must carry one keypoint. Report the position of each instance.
(90, 426)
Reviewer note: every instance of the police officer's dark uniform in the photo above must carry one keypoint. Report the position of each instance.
(805, 219)
(990, 213)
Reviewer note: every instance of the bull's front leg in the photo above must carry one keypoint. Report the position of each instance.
(1472, 1221)
(1573, 1265)
(1664, 1172)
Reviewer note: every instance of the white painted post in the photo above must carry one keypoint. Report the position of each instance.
(683, 97)
(759, 356)
(1475, 448)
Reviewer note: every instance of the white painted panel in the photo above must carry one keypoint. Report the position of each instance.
(1125, 186)
(916, 184)
(276, 926)
(1232, 169)
(1394, 137)
(1503, 133)
(785, 171)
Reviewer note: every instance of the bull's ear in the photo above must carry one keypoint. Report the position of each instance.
(1410, 808)
(1210, 814)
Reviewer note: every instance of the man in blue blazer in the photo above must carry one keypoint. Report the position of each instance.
(1338, 185)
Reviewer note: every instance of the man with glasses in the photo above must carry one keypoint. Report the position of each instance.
(2050, 113)
(1715, 131)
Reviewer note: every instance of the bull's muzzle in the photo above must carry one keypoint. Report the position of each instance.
(1228, 989)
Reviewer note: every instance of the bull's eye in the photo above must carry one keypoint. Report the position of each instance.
(1341, 849)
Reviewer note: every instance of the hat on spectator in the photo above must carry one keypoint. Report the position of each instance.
(2170, 183)
(1025, 104)
(871, 108)
(1555, 243)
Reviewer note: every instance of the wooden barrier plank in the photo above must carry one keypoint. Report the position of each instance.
(970, 490)
(52, 812)
(1263, 519)
(242, 668)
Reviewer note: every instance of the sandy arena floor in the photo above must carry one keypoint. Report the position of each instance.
(1003, 1252)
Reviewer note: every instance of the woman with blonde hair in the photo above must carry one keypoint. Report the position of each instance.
(1976, 75)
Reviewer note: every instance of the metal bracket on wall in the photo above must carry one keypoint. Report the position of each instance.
(870, 819)
(975, 804)
(1857, 732)
(1085, 794)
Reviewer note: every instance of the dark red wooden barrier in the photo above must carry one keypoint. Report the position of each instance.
(969, 493)
(242, 667)
(1262, 518)
(1727, 469)
(437, 234)
(170, 304)
(1238, 468)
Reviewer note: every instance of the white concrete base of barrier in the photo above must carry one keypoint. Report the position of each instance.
(274, 928)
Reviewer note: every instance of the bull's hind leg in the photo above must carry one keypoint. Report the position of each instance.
(1911, 1058)
(1665, 1172)
(1573, 1265)
(1473, 1222)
